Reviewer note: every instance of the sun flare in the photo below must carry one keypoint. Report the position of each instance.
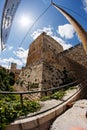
(25, 21)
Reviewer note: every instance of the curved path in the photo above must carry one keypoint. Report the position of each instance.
(75, 116)
(50, 110)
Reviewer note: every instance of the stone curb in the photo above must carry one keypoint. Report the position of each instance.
(42, 121)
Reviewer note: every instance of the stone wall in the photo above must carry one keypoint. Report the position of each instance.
(15, 70)
(77, 54)
(30, 79)
(31, 74)
(35, 51)
(75, 60)
(49, 66)
(42, 67)
(44, 48)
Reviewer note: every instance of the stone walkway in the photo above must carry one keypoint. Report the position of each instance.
(45, 105)
(73, 117)
(32, 121)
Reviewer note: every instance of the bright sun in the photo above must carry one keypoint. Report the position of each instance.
(25, 21)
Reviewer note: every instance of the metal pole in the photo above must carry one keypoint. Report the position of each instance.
(21, 100)
(79, 29)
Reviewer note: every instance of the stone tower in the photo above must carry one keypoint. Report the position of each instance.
(42, 66)
(46, 63)
(13, 67)
(45, 49)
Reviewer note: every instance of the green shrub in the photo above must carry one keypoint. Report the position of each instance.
(71, 88)
(6, 80)
(10, 106)
(11, 110)
(45, 98)
(58, 95)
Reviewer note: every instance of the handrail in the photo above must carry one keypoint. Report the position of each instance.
(32, 92)
(41, 112)
(38, 113)
(44, 90)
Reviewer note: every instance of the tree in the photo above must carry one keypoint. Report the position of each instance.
(6, 80)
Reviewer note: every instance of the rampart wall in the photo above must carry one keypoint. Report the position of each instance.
(75, 60)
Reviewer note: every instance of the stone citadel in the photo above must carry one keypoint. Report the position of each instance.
(49, 66)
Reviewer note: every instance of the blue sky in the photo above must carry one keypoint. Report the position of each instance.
(52, 22)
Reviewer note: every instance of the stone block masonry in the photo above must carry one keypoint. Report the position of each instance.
(42, 67)
(46, 62)
(44, 48)
(75, 60)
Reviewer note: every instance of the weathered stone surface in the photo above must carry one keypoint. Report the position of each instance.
(46, 62)
(72, 118)
(42, 67)
(75, 60)
(43, 48)
(43, 121)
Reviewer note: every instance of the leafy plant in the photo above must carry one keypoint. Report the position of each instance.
(58, 95)
(6, 80)
(11, 110)
(73, 87)
(45, 98)
(10, 106)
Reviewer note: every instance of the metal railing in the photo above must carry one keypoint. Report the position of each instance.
(40, 91)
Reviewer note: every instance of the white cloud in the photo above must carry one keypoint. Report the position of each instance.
(66, 31)
(10, 48)
(85, 5)
(49, 31)
(62, 42)
(22, 54)
(6, 62)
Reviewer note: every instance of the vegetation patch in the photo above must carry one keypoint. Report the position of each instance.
(10, 106)
(71, 88)
(11, 110)
(45, 98)
(57, 95)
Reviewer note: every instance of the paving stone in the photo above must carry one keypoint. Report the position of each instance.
(75, 116)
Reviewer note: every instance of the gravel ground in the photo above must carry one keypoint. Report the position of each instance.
(45, 105)
(49, 104)
(73, 117)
